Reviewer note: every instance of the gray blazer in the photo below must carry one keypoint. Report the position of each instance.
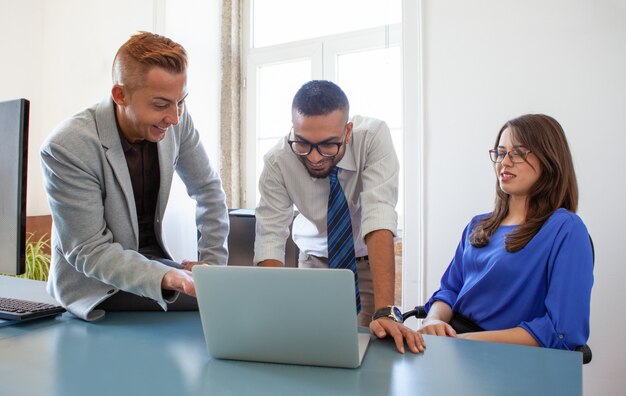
(95, 238)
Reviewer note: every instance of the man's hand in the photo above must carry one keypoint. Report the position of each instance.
(188, 265)
(437, 327)
(179, 280)
(384, 327)
(270, 263)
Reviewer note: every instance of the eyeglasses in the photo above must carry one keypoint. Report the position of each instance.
(304, 148)
(516, 156)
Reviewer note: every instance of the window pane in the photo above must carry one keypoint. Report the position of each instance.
(281, 21)
(277, 83)
(373, 82)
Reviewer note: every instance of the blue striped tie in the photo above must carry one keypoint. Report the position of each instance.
(340, 241)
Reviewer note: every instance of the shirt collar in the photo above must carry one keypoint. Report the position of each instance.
(348, 162)
(126, 145)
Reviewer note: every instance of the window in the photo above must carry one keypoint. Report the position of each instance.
(279, 21)
(357, 45)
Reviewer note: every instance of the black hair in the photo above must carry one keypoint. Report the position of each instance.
(319, 97)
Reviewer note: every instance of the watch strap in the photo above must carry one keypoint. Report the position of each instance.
(388, 312)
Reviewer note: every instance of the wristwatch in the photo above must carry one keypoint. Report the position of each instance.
(391, 311)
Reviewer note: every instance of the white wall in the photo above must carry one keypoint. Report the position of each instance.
(21, 71)
(61, 54)
(59, 57)
(196, 25)
(487, 61)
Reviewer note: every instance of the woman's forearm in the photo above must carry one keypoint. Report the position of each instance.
(516, 335)
(439, 311)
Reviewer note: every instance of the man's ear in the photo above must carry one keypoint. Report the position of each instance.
(118, 93)
(348, 132)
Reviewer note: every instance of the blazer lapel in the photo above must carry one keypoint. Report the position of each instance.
(166, 152)
(110, 139)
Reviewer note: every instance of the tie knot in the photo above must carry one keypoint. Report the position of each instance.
(333, 173)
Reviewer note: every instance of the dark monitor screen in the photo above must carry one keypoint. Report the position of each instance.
(241, 240)
(14, 158)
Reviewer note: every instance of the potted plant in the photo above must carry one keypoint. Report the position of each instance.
(37, 259)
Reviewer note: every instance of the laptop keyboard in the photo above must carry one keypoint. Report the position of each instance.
(16, 309)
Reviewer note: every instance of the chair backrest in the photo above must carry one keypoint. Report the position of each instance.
(241, 240)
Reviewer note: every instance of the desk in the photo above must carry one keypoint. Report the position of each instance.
(157, 353)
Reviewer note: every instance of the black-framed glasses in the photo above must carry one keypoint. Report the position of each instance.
(516, 156)
(326, 149)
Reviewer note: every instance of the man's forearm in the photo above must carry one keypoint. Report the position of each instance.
(382, 264)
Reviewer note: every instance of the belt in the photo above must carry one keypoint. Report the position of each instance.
(362, 258)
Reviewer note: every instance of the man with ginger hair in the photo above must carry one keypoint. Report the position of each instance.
(108, 172)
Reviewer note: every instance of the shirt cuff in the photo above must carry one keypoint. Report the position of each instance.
(269, 250)
(383, 218)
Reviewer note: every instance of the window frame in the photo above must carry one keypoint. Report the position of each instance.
(322, 52)
(413, 257)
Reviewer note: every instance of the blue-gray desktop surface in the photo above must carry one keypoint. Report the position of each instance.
(155, 353)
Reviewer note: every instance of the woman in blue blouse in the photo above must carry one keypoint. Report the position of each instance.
(523, 272)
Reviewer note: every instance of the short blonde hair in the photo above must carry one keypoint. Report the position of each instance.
(142, 52)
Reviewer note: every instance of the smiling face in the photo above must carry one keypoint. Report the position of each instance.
(327, 128)
(516, 179)
(147, 111)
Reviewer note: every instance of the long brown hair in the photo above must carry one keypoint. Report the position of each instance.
(555, 188)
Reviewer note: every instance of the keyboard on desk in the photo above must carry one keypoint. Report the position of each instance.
(16, 309)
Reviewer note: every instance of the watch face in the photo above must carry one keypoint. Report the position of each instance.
(397, 313)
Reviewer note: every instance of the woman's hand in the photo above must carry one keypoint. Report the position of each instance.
(437, 327)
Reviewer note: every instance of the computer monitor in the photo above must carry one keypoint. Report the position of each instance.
(13, 166)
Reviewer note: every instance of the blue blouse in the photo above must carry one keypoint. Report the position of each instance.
(545, 288)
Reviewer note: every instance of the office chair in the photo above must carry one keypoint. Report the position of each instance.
(242, 235)
(463, 325)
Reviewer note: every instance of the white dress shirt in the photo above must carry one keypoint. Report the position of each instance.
(368, 174)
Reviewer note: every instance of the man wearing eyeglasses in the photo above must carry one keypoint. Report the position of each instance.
(341, 175)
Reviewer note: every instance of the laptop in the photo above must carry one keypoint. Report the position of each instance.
(280, 315)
